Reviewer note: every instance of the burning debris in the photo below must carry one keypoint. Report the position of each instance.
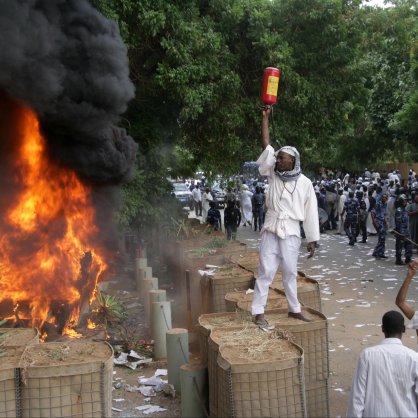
(64, 82)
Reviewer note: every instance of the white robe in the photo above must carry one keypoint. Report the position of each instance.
(246, 206)
(206, 198)
(288, 203)
(369, 222)
(341, 218)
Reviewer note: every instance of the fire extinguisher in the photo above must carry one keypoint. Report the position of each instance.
(269, 90)
(270, 86)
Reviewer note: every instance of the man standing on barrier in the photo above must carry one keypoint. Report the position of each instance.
(290, 200)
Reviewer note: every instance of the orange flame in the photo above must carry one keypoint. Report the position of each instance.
(49, 229)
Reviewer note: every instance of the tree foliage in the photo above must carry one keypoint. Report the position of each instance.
(347, 94)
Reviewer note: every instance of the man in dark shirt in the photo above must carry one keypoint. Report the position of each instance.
(214, 217)
(258, 208)
(232, 219)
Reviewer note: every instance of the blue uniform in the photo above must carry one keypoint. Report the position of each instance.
(402, 227)
(351, 206)
(258, 210)
(379, 214)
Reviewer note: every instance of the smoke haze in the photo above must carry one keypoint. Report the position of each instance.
(68, 63)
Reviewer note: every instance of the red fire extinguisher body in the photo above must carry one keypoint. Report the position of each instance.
(270, 86)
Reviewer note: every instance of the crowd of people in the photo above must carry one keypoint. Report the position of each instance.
(244, 206)
(354, 206)
(364, 206)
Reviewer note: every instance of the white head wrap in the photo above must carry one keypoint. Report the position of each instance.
(296, 172)
(288, 150)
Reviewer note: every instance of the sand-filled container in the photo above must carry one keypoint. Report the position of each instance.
(275, 300)
(254, 374)
(308, 290)
(311, 336)
(226, 279)
(317, 399)
(10, 381)
(242, 300)
(248, 260)
(67, 379)
(232, 299)
(216, 251)
(213, 252)
(18, 337)
(208, 322)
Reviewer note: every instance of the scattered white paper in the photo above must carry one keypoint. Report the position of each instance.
(204, 273)
(147, 391)
(150, 409)
(364, 305)
(122, 360)
(160, 372)
(150, 381)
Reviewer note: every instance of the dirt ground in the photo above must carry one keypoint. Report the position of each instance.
(355, 290)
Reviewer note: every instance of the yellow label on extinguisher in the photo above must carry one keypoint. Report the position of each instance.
(272, 85)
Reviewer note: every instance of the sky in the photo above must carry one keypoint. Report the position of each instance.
(377, 3)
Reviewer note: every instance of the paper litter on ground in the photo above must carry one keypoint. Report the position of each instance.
(155, 381)
(160, 372)
(122, 360)
(147, 391)
(150, 409)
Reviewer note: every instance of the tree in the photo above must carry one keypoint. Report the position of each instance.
(347, 95)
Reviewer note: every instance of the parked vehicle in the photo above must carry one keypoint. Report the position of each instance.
(183, 194)
(218, 197)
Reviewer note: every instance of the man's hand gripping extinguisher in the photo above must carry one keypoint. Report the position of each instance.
(269, 90)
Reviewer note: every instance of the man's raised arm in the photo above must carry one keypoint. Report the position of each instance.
(265, 134)
(401, 302)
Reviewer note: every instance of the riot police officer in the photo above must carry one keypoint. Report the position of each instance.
(351, 206)
(402, 229)
(379, 218)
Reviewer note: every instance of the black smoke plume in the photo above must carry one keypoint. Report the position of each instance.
(69, 64)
